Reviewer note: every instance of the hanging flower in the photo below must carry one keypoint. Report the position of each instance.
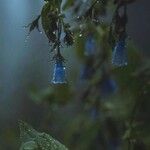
(119, 55)
(87, 72)
(59, 75)
(90, 46)
(108, 86)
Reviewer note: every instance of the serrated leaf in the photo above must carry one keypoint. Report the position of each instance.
(33, 140)
(31, 145)
(27, 133)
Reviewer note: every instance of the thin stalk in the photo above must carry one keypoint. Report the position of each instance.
(59, 36)
(59, 29)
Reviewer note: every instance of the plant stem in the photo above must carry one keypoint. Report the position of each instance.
(59, 30)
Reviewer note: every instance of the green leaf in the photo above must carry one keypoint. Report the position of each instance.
(45, 19)
(31, 145)
(50, 17)
(34, 25)
(33, 140)
(127, 134)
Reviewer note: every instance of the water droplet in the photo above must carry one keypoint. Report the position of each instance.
(80, 26)
(24, 27)
(80, 35)
(95, 20)
(27, 38)
(78, 17)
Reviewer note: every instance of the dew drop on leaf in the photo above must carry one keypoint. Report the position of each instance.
(80, 35)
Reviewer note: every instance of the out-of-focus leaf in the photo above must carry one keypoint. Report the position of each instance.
(62, 93)
(68, 4)
(42, 96)
(127, 134)
(79, 46)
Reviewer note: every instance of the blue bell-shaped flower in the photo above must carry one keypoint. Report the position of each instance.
(90, 46)
(108, 87)
(87, 72)
(119, 55)
(59, 75)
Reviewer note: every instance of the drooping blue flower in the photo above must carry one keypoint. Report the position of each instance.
(87, 72)
(108, 87)
(59, 75)
(119, 55)
(90, 46)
